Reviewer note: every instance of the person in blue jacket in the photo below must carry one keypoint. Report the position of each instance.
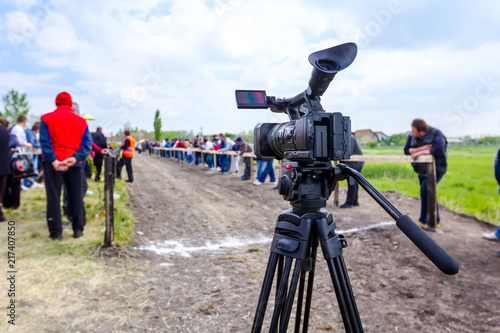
(425, 140)
(31, 137)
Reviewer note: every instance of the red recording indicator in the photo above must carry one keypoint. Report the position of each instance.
(289, 166)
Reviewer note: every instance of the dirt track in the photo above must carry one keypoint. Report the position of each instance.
(191, 284)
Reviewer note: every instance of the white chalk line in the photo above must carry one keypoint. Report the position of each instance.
(373, 226)
(176, 247)
(171, 247)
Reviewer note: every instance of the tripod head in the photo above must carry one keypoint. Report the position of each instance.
(308, 186)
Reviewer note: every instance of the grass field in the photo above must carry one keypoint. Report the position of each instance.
(469, 186)
(47, 269)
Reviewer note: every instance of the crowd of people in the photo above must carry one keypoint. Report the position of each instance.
(12, 140)
(65, 143)
(201, 155)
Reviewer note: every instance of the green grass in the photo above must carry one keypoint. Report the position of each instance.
(469, 186)
(32, 236)
(47, 269)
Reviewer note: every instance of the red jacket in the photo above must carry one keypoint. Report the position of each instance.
(64, 134)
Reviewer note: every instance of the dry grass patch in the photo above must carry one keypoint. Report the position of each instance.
(60, 284)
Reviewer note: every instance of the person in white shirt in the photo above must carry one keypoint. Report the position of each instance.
(18, 131)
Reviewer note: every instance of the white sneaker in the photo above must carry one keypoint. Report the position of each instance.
(89, 192)
(257, 182)
(24, 188)
(35, 185)
(491, 236)
(219, 169)
(273, 183)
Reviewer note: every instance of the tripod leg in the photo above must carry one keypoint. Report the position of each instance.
(310, 283)
(343, 268)
(291, 295)
(291, 241)
(345, 297)
(264, 294)
(300, 296)
(332, 245)
(281, 295)
(278, 281)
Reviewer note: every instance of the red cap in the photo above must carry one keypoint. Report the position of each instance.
(64, 99)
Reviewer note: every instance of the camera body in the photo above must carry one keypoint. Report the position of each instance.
(311, 134)
(318, 136)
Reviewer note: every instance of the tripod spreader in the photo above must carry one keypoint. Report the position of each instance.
(442, 259)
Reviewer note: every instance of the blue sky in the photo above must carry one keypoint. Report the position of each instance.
(123, 60)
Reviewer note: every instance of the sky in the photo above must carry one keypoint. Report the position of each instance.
(121, 60)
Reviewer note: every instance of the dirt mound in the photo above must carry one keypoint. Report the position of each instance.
(203, 243)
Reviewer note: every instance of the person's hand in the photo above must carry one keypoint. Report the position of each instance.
(69, 162)
(13, 150)
(29, 145)
(104, 151)
(59, 166)
(417, 154)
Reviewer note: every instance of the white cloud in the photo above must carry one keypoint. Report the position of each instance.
(126, 59)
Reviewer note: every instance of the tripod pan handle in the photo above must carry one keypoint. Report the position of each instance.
(442, 259)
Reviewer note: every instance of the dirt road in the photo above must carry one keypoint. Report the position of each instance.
(202, 245)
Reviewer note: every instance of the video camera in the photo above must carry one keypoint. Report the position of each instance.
(312, 134)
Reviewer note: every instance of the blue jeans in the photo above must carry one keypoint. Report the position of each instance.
(260, 164)
(227, 163)
(210, 160)
(224, 163)
(423, 197)
(197, 158)
(267, 169)
(179, 155)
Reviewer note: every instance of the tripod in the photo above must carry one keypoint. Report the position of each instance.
(302, 228)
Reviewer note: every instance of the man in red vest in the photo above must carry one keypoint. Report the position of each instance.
(66, 142)
(128, 149)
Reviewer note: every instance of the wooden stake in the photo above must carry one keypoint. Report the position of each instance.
(431, 194)
(109, 173)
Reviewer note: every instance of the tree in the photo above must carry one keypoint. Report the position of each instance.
(396, 140)
(15, 105)
(157, 125)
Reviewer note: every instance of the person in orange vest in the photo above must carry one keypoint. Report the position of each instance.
(128, 149)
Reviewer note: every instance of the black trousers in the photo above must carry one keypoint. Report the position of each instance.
(352, 190)
(98, 164)
(127, 161)
(12, 192)
(85, 187)
(3, 182)
(352, 194)
(72, 179)
(248, 168)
